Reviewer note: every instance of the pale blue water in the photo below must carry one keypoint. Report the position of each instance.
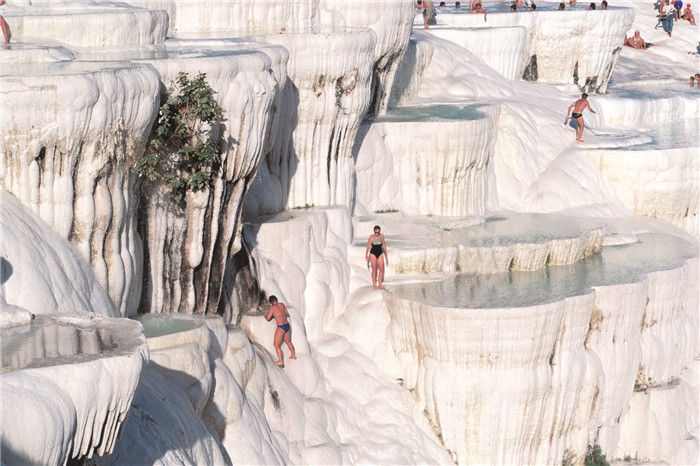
(503, 229)
(504, 7)
(614, 265)
(157, 325)
(439, 112)
(677, 133)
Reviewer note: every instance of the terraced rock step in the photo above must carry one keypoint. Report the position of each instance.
(581, 335)
(500, 243)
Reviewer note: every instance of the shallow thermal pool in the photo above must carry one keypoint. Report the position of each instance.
(502, 7)
(614, 265)
(439, 112)
(504, 229)
(676, 134)
(157, 325)
(52, 341)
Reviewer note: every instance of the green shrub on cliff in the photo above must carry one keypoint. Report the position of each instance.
(183, 149)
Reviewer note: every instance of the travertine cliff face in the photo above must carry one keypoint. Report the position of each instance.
(186, 245)
(322, 105)
(68, 156)
(426, 160)
(562, 374)
(578, 47)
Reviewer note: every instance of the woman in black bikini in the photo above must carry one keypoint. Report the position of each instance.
(376, 254)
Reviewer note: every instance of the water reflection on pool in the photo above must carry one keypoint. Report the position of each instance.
(614, 265)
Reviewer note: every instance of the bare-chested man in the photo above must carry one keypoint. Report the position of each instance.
(577, 114)
(283, 331)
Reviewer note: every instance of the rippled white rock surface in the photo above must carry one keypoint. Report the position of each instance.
(67, 383)
(560, 349)
(40, 271)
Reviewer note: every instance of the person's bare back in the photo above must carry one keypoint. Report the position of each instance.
(283, 331)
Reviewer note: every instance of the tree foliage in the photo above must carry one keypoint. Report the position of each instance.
(183, 149)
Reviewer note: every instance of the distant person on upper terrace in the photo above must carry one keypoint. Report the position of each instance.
(604, 5)
(514, 7)
(458, 5)
(667, 16)
(478, 9)
(678, 6)
(636, 42)
(688, 14)
(3, 25)
(578, 107)
(692, 81)
(533, 7)
(428, 14)
(562, 6)
(572, 2)
(591, 6)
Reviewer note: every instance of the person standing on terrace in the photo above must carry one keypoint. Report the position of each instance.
(578, 107)
(428, 14)
(375, 255)
(667, 15)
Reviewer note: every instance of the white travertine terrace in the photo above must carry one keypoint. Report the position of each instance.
(500, 243)
(86, 24)
(322, 105)
(67, 383)
(40, 271)
(515, 378)
(399, 168)
(505, 48)
(186, 246)
(565, 368)
(571, 47)
(67, 157)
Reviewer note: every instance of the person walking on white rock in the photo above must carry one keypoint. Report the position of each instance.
(375, 255)
(283, 331)
(578, 107)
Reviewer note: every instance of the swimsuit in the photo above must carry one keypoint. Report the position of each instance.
(576, 115)
(284, 327)
(377, 248)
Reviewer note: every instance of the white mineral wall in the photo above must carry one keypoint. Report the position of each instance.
(505, 49)
(303, 257)
(391, 21)
(72, 400)
(324, 100)
(585, 41)
(512, 368)
(186, 247)
(87, 25)
(407, 82)
(560, 375)
(40, 271)
(68, 156)
(425, 167)
(661, 184)
(163, 429)
(240, 17)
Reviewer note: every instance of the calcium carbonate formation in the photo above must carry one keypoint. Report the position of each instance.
(540, 297)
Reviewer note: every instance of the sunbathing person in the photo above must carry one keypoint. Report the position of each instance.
(688, 14)
(636, 42)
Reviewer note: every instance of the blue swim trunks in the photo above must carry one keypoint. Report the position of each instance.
(284, 327)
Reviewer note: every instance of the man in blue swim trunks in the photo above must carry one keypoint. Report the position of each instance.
(283, 331)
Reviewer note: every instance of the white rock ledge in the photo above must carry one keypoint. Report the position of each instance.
(67, 384)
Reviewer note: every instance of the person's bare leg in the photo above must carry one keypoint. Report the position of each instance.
(373, 262)
(579, 129)
(288, 341)
(279, 333)
(5, 34)
(380, 280)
